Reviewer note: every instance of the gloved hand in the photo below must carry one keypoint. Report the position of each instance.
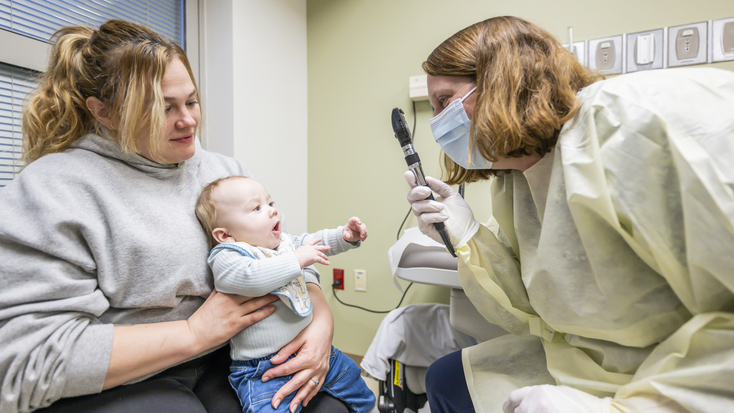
(449, 207)
(554, 399)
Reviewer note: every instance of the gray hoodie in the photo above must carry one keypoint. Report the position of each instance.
(89, 238)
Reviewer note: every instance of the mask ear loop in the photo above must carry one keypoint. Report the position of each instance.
(467, 95)
(444, 112)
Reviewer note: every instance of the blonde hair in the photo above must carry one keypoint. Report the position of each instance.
(206, 208)
(526, 88)
(121, 64)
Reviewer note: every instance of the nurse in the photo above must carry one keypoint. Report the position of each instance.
(613, 262)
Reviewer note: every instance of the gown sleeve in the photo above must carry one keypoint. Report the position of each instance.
(490, 276)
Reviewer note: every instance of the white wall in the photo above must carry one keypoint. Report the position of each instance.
(254, 79)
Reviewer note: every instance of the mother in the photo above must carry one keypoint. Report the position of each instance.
(103, 262)
(613, 264)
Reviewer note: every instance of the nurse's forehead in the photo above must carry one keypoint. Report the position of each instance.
(448, 83)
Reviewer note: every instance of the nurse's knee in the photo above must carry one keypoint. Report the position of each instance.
(441, 370)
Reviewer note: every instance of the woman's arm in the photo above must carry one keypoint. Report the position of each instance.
(139, 350)
(313, 348)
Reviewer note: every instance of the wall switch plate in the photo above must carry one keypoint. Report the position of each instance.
(418, 87)
(360, 280)
(646, 50)
(722, 40)
(579, 51)
(605, 54)
(688, 44)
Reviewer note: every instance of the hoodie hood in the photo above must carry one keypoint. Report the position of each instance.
(108, 148)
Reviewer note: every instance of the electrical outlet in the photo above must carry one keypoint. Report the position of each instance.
(338, 279)
(687, 44)
(605, 54)
(722, 40)
(360, 280)
(645, 50)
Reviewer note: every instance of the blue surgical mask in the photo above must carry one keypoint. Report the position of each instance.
(451, 130)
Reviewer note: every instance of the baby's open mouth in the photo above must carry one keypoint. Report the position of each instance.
(276, 227)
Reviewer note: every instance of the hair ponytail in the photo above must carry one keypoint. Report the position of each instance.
(56, 112)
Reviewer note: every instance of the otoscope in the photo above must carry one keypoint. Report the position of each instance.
(402, 133)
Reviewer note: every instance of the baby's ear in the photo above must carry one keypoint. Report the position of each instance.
(222, 235)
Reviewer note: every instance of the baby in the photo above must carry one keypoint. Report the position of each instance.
(252, 256)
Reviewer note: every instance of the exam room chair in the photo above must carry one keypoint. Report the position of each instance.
(420, 262)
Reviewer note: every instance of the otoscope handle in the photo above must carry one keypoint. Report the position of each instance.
(441, 228)
(402, 133)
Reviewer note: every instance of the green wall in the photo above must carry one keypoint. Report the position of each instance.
(360, 55)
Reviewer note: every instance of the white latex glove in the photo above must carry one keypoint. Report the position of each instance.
(554, 399)
(449, 207)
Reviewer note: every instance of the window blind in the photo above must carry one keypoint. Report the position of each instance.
(15, 84)
(39, 19)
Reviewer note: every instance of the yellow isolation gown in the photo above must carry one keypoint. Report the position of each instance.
(614, 263)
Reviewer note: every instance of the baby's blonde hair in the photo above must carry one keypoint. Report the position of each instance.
(206, 208)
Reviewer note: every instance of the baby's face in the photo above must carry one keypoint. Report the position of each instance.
(246, 211)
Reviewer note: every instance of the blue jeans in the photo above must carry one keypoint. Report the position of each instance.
(342, 382)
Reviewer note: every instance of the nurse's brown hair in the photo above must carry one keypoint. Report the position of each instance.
(526, 88)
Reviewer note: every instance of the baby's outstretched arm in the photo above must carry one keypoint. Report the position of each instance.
(354, 230)
(310, 253)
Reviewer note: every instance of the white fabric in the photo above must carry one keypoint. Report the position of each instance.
(415, 335)
(627, 278)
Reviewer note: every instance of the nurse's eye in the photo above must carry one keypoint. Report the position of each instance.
(192, 103)
(168, 109)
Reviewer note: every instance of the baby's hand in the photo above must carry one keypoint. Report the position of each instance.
(310, 253)
(354, 231)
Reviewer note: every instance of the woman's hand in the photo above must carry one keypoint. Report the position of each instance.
(224, 315)
(313, 352)
(142, 349)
